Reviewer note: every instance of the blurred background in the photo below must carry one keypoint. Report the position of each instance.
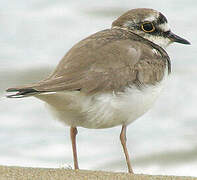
(36, 34)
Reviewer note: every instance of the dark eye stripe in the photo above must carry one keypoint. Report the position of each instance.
(165, 34)
(158, 32)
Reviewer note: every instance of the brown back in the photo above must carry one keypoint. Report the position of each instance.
(109, 60)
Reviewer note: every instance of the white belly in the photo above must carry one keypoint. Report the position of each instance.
(101, 110)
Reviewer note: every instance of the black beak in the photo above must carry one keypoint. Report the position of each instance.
(177, 39)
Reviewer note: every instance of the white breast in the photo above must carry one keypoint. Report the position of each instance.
(108, 110)
(101, 110)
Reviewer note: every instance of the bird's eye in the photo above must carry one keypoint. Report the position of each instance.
(148, 27)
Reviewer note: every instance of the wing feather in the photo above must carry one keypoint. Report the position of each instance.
(110, 60)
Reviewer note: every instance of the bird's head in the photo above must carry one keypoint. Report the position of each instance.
(149, 24)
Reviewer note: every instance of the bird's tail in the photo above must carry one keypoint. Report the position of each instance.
(21, 92)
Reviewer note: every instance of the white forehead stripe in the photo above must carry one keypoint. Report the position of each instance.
(164, 27)
(150, 18)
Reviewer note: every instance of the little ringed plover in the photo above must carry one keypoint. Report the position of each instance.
(109, 78)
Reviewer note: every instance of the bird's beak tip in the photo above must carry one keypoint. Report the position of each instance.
(178, 39)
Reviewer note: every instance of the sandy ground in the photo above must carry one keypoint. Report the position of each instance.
(22, 173)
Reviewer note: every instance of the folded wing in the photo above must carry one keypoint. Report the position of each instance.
(107, 61)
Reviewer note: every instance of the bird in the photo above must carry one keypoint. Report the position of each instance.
(110, 78)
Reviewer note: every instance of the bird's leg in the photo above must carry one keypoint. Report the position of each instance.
(73, 133)
(123, 142)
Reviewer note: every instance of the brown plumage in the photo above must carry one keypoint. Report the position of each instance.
(109, 60)
(110, 78)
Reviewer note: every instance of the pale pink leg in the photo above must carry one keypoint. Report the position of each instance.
(123, 142)
(73, 133)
